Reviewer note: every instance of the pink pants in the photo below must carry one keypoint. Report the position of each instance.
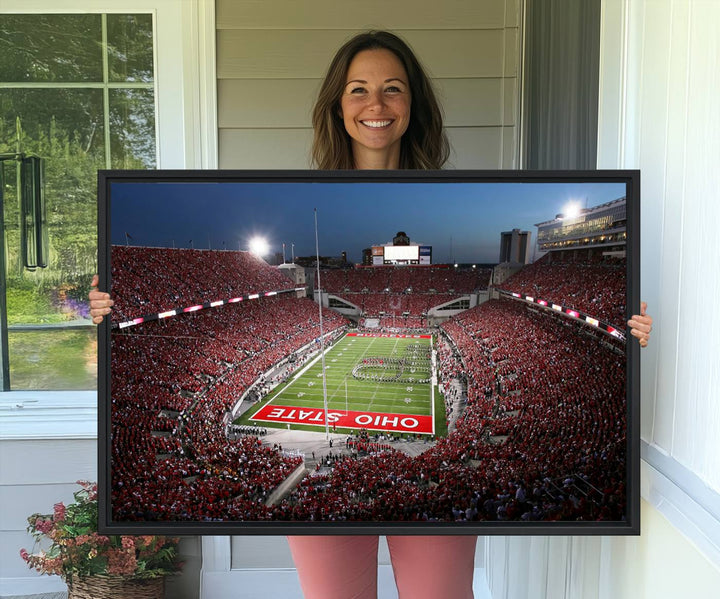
(337, 567)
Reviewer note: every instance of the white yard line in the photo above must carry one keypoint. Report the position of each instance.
(433, 382)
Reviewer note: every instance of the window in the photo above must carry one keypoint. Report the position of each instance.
(78, 91)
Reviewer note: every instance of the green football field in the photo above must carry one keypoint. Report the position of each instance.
(378, 383)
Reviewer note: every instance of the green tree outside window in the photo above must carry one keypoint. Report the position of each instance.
(78, 91)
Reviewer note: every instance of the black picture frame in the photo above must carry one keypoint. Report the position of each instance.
(112, 233)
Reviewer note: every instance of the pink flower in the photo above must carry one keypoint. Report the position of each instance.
(71, 555)
(121, 562)
(147, 540)
(59, 509)
(128, 543)
(44, 526)
(53, 565)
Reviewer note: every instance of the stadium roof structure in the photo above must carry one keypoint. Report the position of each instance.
(598, 226)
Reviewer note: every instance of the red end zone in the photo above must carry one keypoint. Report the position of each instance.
(390, 335)
(399, 423)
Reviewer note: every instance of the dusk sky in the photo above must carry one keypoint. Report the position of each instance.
(462, 221)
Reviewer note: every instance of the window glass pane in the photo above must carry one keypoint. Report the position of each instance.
(55, 359)
(39, 48)
(132, 128)
(54, 122)
(65, 128)
(130, 48)
(52, 344)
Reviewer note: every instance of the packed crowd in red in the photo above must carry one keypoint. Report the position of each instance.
(542, 436)
(151, 280)
(392, 279)
(173, 383)
(596, 288)
(396, 303)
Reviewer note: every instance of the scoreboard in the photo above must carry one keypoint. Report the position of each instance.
(401, 254)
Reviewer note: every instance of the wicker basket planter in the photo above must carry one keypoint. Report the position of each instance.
(116, 587)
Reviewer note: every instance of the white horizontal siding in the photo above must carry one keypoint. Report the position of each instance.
(252, 54)
(35, 475)
(264, 148)
(271, 58)
(48, 461)
(344, 14)
(288, 103)
(471, 148)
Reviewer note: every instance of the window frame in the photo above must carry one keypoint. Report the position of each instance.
(185, 115)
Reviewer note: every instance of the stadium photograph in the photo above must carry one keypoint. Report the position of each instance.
(367, 351)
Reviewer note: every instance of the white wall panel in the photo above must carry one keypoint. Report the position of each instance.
(19, 501)
(35, 475)
(674, 235)
(670, 131)
(653, 150)
(52, 461)
(253, 551)
(511, 141)
(511, 101)
(697, 425)
(667, 122)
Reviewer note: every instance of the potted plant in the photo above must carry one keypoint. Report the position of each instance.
(94, 565)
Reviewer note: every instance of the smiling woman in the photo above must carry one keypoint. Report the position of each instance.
(344, 138)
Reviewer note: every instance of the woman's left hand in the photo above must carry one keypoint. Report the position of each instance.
(641, 325)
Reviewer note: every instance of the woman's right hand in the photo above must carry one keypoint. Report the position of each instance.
(100, 302)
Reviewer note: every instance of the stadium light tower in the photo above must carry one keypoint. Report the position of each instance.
(571, 210)
(259, 246)
(322, 334)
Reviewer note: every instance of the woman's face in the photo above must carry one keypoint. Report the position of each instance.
(375, 105)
